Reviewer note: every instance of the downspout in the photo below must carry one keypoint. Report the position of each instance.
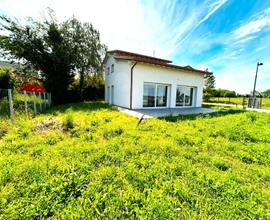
(131, 85)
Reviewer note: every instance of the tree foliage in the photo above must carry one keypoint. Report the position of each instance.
(87, 47)
(7, 80)
(209, 85)
(57, 49)
(266, 93)
(223, 93)
(209, 81)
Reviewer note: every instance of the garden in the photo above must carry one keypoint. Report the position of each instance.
(89, 160)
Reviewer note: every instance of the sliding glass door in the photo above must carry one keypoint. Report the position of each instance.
(149, 93)
(161, 97)
(184, 96)
(155, 95)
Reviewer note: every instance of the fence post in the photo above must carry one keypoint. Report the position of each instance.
(44, 98)
(40, 101)
(11, 109)
(35, 106)
(25, 103)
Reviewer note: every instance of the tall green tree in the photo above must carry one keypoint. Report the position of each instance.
(55, 48)
(209, 85)
(87, 47)
(209, 81)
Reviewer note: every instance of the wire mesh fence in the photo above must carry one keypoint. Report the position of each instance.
(247, 101)
(13, 103)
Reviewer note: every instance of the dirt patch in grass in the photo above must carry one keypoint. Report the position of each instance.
(49, 124)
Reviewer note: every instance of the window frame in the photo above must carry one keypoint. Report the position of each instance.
(112, 68)
(167, 86)
(192, 97)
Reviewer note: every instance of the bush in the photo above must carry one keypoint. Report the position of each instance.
(7, 81)
(68, 121)
(206, 96)
(93, 89)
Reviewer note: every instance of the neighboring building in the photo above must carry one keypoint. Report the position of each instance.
(35, 86)
(137, 81)
(28, 84)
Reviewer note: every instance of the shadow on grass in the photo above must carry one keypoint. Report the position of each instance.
(199, 116)
(81, 106)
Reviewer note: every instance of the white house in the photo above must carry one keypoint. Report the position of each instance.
(138, 81)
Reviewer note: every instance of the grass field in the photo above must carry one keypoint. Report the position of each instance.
(239, 101)
(90, 161)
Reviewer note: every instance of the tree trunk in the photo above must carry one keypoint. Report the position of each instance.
(81, 84)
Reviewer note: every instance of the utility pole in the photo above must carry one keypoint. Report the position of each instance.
(255, 81)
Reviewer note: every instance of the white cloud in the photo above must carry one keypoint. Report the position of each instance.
(256, 24)
(169, 28)
(213, 8)
(128, 24)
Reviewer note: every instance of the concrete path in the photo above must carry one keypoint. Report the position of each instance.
(154, 113)
(237, 106)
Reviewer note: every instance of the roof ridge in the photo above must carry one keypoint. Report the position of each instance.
(139, 55)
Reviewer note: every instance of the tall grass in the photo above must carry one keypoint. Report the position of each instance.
(105, 166)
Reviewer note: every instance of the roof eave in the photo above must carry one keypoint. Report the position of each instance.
(165, 65)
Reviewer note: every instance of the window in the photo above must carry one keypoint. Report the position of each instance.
(161, 98)
(184, 96)
(108, 70)
(155, 95)
(112, 68)
(149, 91)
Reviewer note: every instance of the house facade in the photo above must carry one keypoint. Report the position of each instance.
(137, 81)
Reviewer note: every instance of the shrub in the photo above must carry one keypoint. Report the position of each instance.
(68, 121)
(7, 81)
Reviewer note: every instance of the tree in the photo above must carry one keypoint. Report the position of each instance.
(7, 80)
(266, 93)
(209, 81)
(87, 47)
(56, 49)
(209, 85)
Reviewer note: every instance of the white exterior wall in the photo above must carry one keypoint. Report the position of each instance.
(120, 79)
(173, 77)
(148, 73)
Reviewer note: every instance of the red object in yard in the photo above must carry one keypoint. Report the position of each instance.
(31, 87)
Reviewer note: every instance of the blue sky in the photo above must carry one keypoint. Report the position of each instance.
(226, 36)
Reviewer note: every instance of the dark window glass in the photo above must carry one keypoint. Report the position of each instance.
(184, 96)
(149, 91)
(161, 99)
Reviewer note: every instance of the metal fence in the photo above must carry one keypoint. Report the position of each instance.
(246, 102)
(14, 103)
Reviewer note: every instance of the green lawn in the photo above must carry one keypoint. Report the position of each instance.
(91, 161)
(238, 101)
